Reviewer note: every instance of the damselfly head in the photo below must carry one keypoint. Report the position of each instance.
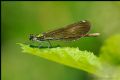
(31, 37)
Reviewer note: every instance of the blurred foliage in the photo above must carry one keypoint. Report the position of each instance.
(110, 52)
(110, 58)
(19, 19)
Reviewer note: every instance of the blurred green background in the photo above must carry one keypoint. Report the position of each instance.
(19, 19)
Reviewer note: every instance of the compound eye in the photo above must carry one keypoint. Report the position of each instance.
(31, 37)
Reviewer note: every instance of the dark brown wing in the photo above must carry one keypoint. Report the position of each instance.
(72, 31)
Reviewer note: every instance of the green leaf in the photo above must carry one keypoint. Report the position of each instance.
(72, 57)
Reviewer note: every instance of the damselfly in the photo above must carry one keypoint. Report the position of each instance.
(70, 32)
